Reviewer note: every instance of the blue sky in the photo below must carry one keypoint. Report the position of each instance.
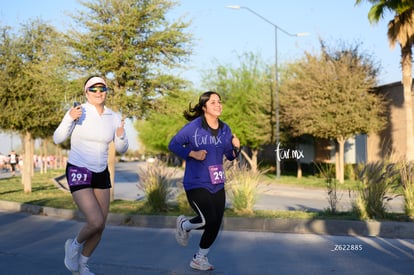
(222, 34)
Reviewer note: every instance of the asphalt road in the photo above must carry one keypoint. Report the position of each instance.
(32, 244)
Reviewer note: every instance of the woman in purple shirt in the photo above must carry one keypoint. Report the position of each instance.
(203, 143)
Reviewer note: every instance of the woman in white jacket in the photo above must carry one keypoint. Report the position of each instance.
(92, 127)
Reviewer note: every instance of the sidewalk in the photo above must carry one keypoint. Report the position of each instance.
(270, 196)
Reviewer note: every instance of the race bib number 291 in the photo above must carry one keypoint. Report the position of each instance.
(79, 176)
(217, 174)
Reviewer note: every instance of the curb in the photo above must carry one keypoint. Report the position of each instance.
(386, 229)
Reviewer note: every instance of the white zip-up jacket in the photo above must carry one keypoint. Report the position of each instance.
(90, 137)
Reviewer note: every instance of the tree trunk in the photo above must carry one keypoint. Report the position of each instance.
(111, 167)
(32, 170)
(408, 107)
(251, 160)
(57, 157)
(44, 154)
(341, 159)
(299, 164)
(299, 171)
(337, 172)
(62, 159)
(253, 165)
(25, 170)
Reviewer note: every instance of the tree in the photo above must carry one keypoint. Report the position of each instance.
(247, 92)
(331, 97)
(401, 30)
(31, 76)
(135, 47)
(166, 119)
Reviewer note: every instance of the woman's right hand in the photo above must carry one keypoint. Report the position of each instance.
(198, 155)
(75, 112)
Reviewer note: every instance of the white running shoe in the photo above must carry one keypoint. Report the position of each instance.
(181, 235)
(84, 270)
(201, 263)
(71, 256)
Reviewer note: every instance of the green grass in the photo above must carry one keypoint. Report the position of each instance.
(46, 193)
(307, 181)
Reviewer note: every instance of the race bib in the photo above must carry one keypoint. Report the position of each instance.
(79, 176)
(217, 174)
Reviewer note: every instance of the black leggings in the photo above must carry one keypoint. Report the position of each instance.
(211, 206)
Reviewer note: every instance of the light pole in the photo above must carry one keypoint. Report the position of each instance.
(276, 77)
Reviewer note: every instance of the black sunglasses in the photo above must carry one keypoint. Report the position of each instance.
(95, 89)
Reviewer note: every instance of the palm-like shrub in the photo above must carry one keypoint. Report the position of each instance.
(377, 181)
(407, 182)
(326, 171)
(182, 201)
(242, 186)
(154, 180)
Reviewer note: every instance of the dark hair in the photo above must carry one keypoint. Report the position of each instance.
(197, 110)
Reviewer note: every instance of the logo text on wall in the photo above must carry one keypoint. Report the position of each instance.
(282, 153)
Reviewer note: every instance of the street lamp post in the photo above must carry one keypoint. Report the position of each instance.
(276, 27)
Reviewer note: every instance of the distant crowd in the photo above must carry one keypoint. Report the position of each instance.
(13, 162)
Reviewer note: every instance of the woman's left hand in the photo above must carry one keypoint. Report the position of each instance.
(120, 130)
(235, 141)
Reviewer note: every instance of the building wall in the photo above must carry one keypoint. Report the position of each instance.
(355, 150)
(391, 140)
(363, 148)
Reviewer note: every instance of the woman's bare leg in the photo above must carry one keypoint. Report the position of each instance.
(94, 204)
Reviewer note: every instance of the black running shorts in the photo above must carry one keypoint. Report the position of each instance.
(80, 178)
